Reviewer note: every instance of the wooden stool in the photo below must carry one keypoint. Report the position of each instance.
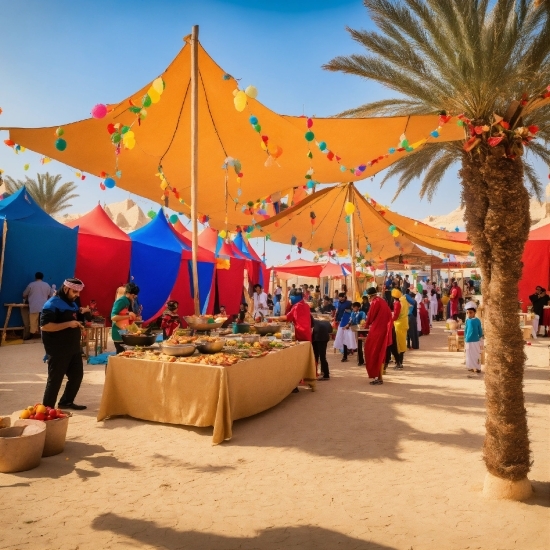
(451, 341)
(94, 337)
(8, 315)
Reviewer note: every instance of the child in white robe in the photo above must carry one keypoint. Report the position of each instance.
(473, 333)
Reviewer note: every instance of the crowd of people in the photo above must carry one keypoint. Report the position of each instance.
(395, 316)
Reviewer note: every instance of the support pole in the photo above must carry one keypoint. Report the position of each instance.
(352, 250)
(195, 161)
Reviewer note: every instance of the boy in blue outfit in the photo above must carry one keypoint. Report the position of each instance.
(472, 339)
(357, 315)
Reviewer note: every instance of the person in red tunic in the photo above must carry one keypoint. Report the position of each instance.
(379, 321)
(424, 318)
(456, 294)
(300, 316)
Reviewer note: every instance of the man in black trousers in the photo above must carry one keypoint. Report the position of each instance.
(61, 334)
(321, 336)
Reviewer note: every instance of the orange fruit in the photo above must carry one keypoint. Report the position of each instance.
(40, 409)
(25, 413)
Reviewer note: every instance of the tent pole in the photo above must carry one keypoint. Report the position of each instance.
(194, 160)
(351, 190)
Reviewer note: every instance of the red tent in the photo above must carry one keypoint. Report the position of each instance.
(300, 268)
(229, 282)
(102, 258)
(536, 263)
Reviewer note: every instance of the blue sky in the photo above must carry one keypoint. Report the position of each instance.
(60, 58)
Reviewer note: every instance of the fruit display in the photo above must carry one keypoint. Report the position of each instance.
(40, 412)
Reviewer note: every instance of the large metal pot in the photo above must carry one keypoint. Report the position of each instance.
(267, 329)
(197, 324)
(178, 350)
(210, 347)
(139, 339)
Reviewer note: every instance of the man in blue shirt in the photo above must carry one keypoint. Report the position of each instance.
(61, 334)
(388, 285)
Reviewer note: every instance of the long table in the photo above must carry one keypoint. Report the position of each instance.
(203, 395)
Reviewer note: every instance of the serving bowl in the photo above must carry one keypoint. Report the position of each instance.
(210, 347)
(178, 350)
(267, 329)
(251, 338)
(139, 339)
(201, 324)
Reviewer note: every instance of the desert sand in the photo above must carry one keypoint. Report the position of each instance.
(352, 466)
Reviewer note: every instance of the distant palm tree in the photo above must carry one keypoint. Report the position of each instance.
(44, 190)
(480, 58)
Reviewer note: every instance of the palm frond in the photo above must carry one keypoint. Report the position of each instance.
(45, 191)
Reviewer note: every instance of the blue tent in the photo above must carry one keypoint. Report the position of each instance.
(156, 260)
(31, 241)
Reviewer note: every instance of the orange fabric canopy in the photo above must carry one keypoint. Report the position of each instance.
(330, 230)
(355, 148)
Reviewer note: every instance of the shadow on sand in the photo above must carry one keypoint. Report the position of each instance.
(300, 537)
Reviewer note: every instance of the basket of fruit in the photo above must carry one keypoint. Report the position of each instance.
(21, 446)
(57, 423)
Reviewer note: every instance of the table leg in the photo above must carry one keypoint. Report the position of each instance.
(8, 315)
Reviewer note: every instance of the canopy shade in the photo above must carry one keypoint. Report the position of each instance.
(303, 268)
(31, 241)
(102, 258)
(358, 147)
(327, 208)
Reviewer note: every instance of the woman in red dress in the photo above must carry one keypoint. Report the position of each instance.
(379, 321)
(424, 318)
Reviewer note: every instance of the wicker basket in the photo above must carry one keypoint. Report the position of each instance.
(21, 446)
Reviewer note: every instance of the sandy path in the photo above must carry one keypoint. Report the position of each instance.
(351, 466)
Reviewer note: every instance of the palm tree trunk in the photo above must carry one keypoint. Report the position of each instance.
(497, 221)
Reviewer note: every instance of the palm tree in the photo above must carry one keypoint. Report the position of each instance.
(490, 62)
(44, 191)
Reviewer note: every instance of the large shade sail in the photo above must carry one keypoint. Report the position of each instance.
(332, 227)
(349, 149)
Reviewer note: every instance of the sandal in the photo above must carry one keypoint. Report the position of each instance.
(376, 382)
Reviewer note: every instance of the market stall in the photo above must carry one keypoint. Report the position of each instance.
(202, 395)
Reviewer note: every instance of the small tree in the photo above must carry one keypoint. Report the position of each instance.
(45, 191)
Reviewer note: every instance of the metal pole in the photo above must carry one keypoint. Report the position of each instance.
(352, 246)
(195, 160)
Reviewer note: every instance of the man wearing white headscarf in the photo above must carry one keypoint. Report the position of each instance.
(61, 334)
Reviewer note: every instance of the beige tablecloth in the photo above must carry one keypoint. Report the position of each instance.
(202, 395)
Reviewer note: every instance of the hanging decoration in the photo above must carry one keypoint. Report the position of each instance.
(122, 136)
(403, 145)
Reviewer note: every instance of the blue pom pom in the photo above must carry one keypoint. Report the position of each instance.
(434, 134)
(391, 150)
(253, 120)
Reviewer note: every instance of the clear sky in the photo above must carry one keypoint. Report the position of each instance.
(59, 58)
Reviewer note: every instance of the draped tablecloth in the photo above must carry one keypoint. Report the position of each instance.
(545, 321)
(203, 395)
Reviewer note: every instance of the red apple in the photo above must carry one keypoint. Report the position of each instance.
(40, 416)
(52, 413)
(32, 417)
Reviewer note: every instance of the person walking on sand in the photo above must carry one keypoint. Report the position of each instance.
(379, 320)
(473, 333)
(321, 336)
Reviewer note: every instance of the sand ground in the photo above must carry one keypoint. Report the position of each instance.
(351, 466)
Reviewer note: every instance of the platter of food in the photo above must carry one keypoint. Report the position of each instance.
(267, 328)
(205, 322)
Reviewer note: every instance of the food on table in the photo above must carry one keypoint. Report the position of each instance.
(231, 343)
(40, 412)
(176, 340)
(209, 339)
(278, 335)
